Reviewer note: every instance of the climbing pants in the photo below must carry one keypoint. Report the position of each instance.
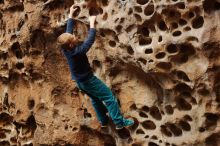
(102, 100)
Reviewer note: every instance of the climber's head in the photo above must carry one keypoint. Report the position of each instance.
(67, 41)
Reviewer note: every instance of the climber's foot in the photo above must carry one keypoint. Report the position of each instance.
(126, 123)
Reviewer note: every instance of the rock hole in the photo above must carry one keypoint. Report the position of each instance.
(164, 130)
(181, 58)
(95, 11)
(3, 55)
(154, 137)
(56, 91)
(162, 25)
(148, 51)
(167, 144)
(211, 120)
(201, 129)
(183, 88)
(142, 114)
(217, 5)
(184, 125)
(187, 28)
(130, 28)
(133, 107)
(5, 143)
(171, 48)
(145, 108)
(150, 61)
(174, 129)
(187, 49)
(140, 131)
(138, 17)
(2, 135)
(16, 50)
(174, 25)
(123, 133)
(122, 20)
(181, 5)
(96, 64)
(105, 16)
(160, 55)
(112, 43)
(177, 33)
(169, 109)
(182, 104)
(13, 139)
(86, 114)
(138, 9)
(149, 10)
(191, 15)
(213, 139)
(144, 41)
(135, 125)
(77, 12)
(118, 28)
(142, 60)
(142, 2)
(197, 22)
(147, 136)
(31, 123)
(130, 11)
(182, 22)
(31, 104)
(142, 29)
(152, 144)
(105, 2)
(160, 39)
(164, 65)
(187, 118)
(13, 76)
(209, 6)
(130, 50)
(182, 76)
(149, 125)
(19, 65)
(155, 113)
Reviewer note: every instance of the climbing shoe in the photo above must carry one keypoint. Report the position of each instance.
(125, 123)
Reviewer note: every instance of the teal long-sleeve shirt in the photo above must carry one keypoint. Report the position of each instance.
(77, 59)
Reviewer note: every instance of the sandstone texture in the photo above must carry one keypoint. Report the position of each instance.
(161, 59)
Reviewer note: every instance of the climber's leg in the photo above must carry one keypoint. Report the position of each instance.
(99, 107)
(96, 88)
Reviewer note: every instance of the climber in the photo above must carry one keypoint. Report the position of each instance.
(101, 96)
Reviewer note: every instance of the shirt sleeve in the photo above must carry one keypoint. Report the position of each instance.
(87, 44)
(70, 25)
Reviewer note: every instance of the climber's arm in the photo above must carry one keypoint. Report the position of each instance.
(70, 21)
(87, 44)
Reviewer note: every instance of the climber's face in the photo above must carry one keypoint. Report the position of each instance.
(67, 41)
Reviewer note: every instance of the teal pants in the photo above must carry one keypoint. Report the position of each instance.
(102, 100)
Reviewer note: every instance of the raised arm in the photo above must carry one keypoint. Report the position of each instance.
(87, 44)
(70, 21)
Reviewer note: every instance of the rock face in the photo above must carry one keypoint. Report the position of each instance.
(161, 58)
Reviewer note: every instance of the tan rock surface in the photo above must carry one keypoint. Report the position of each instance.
(161, 58)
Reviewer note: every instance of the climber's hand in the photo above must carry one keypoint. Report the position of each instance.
(92, 21)
(72, 10)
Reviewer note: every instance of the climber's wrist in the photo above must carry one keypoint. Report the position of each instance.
(92, 25)
(70, 15)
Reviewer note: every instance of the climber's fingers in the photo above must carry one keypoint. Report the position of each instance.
(73, 8)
